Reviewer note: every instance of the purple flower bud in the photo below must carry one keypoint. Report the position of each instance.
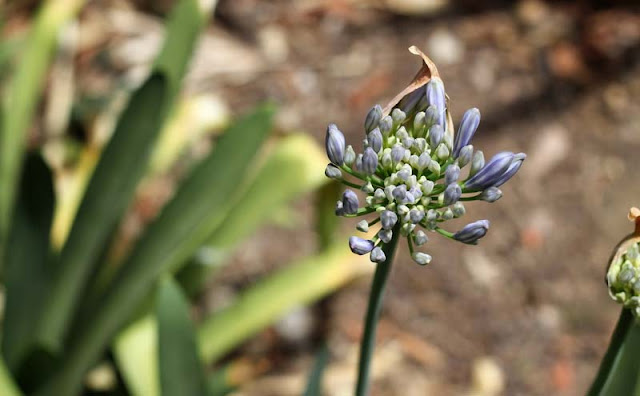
(418, 123)
(375, 140)
(408, 142)
(369, 161)
(400, 192)
(420, 238)
(373, 118)
(408, 198)
(452, 174)
(349, 202)
(435, 96)
(491, 172)
(388, 219)
(404, 174)
(452, 194)
(472, 232)
(421, 258)
(397, 153)
(401, 134)
(423, 161)
(416, 192)
(410, 102)
(416, 215)
(360, 246)
(491, 194)
(465, 155)
(434, 167)
(458, 210)
(430, 116)
(513, 169)
(477, 163)
(427, 186)
(419, 145)
(335, 144)
(388, 192)
(377, 255)
(386, 125)
(385, 235)
(367, 188)
(442, 152)
(398, 116)
(468, 126)
(333, 172)
(436, 134)
(362, 226)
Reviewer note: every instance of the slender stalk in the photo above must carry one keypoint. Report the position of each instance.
(368, 342)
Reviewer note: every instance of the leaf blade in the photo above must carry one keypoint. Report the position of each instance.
(182, 226)
(27, 272)
(181, 372)
(104, 202)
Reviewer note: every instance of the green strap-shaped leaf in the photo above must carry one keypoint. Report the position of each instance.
(121, 167)
(7, 385)
(21, 98)
(136, 353)
(293, 167)
(108, 194)
(181, 372)
(619, 372)
(187, 221)
(327, 224)
(271, 298)
(27, 273)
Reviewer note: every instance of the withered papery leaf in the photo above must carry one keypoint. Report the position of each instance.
(424, 75)
(427, 71)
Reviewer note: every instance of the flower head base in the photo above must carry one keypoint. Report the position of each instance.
(413, 172)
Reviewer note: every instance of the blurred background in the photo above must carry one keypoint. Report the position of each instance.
(525, 312)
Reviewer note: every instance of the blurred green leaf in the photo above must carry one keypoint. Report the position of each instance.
(108, 194)
(274, 296)
(293, 167)
(186, 21)
(7, 386)
(619, 372)
(185, 223)
(181, 372)
(27, 272)
(136, 353)
(326, 221)
(121, 166)
(314, 385)
(21, 98)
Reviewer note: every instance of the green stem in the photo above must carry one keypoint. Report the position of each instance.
(352, 185)
(361, 212)
(444, 232)
(367, 344)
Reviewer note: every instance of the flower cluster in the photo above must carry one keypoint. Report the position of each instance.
(623, 278)
(411, 170)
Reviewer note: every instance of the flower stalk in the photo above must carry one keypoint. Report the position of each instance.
(367, 345)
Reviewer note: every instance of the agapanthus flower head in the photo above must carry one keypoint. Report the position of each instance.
(412, 169)
(623, 277)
